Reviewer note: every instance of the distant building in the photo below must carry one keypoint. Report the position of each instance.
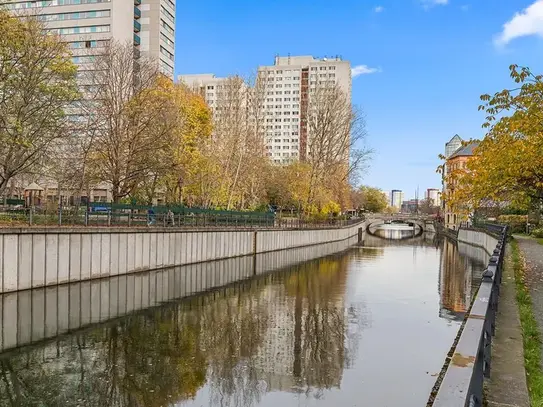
(433, 195)
(288, 86)
(387, 196)
(87, 25)
(455, 161)
(396, 198)
(410, 206)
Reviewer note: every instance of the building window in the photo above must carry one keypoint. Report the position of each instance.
(167, 40)
(47, 3)
(168, 15)
(167, 27)
(166, 53)
(74, 16)
(82, 30)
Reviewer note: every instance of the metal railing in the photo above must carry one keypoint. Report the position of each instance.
(301, 223)
(118, 215)
(461, 384)
(493, 228)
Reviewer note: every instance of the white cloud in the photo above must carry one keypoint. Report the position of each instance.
(427, 4)
(465, 7)
(527, 22)
(379, 9)
(363, 70)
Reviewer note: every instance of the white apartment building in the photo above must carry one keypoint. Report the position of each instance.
(86, 25)
(396, 198)
(207, 84)
(434, 195)
(287, 87)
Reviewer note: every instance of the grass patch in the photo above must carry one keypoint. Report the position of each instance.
(530, 332)
(540, 240)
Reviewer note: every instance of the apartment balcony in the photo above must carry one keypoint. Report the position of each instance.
(137, 27)
(136, 39)
(137, 13)
(137, 2)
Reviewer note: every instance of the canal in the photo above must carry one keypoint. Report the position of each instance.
(369, 326)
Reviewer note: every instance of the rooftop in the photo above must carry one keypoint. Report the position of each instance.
(466, 150)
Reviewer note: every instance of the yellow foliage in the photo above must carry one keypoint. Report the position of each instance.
(331, 208)
(508, 164)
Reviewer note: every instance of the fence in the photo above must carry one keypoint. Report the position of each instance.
(120, 215)
(461, 382)
(131, 215)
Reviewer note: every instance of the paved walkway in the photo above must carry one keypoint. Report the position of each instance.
(507, 385)
(533, 255)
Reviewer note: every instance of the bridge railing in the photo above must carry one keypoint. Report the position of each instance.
(468, 364)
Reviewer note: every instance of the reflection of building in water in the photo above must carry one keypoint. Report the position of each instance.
(304, 346)
(275, 358)
(454, 282)
(395, 232)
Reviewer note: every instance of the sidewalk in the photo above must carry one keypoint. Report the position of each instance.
(533, 255)
(507, 384)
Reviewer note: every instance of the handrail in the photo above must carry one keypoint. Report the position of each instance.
(462, 382)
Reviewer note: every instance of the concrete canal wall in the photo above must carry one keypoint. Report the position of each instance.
(31, 316)
(32, 258)
(478, 238)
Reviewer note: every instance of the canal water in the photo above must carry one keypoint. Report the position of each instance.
(369, 326)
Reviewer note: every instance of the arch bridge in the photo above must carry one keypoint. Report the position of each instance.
(423, 223)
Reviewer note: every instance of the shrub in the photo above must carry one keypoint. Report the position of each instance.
(537, 233)
(516, 223)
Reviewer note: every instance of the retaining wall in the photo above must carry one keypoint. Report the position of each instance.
(31, 316)
(32, 258)
(478, 238)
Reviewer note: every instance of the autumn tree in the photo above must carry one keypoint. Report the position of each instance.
(508, 164)
(182, 157)
(37, 83)
(236, 150)
(131, 116)
(288, 186)
(336, 147)
(372, 199)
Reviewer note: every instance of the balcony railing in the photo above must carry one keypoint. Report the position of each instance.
(137, 26)
(137, 2)
(137, 12)
(136, 39)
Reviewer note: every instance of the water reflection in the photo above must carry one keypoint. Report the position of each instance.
(397, 231)
(284, 331)
(460, 273)
(332, 331)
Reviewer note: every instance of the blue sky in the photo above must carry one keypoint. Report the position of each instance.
(434, 59)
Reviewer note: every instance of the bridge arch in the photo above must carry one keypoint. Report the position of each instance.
(419, 224)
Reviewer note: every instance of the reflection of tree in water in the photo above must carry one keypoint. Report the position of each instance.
(233, 328)
(320, 323)
(289, 331)
(140, 362)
